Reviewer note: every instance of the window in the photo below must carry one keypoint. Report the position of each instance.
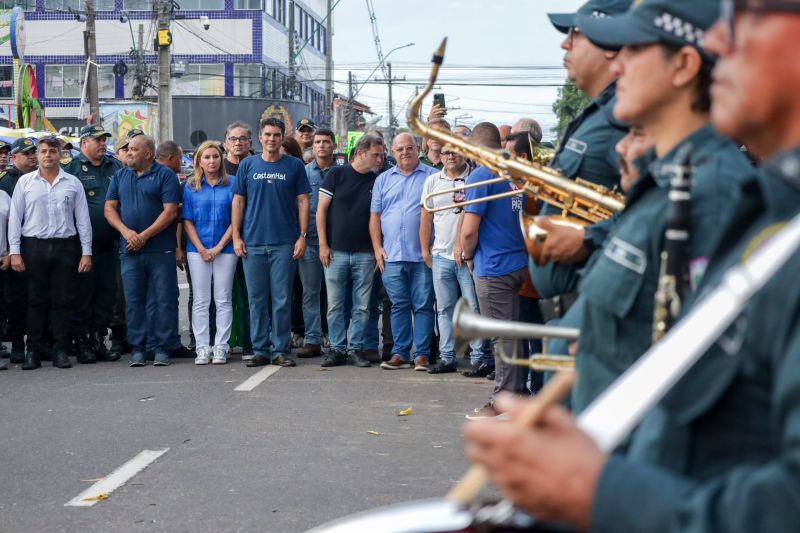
(138, 5)
(247, 80)
(66, 81)
(6, 81)
(248, 4)
(276, 9)
(201, 80)
(203, 5)
(76, 5)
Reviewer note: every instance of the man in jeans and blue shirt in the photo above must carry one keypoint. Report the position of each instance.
(394, 229)
(270, 224)
(451, 276)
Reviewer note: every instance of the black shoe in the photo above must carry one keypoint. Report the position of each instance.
(99, 347)
(85, 354)
(60, 359)
(182, 352)
(357, 359)
(372, 356)
(334, 358)
(490, 376)
(443, 368)
(258, 360)
(118, 345)
(31, 361)
(3, 365)
(17, 352)
(74, 347)
(247, 350)
(481, 370)
(4, 353)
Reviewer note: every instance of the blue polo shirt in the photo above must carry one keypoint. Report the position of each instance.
(209, 209)
(501, 247)
(141, 202)
(271, 189)
(395, 197)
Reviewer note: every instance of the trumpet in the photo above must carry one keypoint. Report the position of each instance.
(587, 201)
(468, 325)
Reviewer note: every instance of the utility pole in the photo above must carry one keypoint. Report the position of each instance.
(164, 40)
(329, 65)
(291, 81)
(138, 85)
(90, 50)
(392, 123)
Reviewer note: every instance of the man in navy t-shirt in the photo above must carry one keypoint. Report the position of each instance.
(494, 248)
(270, 223)
(142, 204)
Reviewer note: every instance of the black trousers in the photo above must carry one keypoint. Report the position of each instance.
(52, 266)
(96, 291)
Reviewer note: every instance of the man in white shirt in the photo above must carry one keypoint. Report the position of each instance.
(48, 210)
(451, 275)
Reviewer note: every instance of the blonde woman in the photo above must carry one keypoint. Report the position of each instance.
(207, 202)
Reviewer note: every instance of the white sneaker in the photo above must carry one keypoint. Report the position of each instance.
(203, 356)
(220, 355)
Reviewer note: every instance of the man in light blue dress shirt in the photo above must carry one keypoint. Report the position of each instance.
(394, 229)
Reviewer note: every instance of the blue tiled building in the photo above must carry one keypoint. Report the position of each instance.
(243, 53)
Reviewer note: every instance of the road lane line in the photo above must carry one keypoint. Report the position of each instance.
(116, 479)
(257, 379)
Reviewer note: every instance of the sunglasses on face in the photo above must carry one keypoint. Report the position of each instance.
(573, 31)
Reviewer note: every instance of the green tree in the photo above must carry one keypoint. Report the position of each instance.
(571, 101)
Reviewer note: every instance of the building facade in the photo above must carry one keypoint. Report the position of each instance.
(240, 50)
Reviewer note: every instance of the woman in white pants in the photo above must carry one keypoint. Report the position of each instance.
(207, 200)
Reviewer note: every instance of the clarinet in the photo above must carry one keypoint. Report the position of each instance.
(673, 279)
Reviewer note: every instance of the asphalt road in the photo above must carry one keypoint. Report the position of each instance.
(290, 454)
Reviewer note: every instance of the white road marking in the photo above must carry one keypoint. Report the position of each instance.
(183, 286)
(116, 479)
(256, 379)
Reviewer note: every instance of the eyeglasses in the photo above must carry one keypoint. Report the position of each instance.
(241, 139)
(729, 8)
(448, 154)
(573, 31)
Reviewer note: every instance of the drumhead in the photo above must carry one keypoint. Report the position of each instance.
(427, 516)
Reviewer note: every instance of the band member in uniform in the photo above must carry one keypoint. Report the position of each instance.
(718, 452)
(96, 290)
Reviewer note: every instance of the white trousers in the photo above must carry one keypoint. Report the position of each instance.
(221, 270)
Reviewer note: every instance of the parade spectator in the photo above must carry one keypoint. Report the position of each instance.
(304, 134)
(494, 249)
(505, 131)
(96, 289)
(394, 230)
(433, 148)
(206, 213)
(142, 205)
(48, 210)
(270, 224)
(310, 267)
(5, 150)
(462, 130)
(238, 145)
(290, 146)
(345, 249)
(528, 125)
(121, 152)
(451, 275)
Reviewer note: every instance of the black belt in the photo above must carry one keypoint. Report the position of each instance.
(557, 307)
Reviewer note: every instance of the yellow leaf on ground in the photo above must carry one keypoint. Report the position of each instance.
(91, 480)
(405, 412)
(101, 496)
(373, 433)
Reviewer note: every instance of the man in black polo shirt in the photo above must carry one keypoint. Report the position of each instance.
(345, 249)
(96, 289)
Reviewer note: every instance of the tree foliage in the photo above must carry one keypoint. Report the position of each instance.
(571, 101)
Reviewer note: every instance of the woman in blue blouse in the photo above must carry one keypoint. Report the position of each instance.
(207, 200)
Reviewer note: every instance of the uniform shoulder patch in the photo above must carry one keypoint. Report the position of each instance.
(626, 255)
(577, 146)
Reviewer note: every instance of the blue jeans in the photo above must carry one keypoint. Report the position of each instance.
(448, 281)
(348, 270)
(311, 278)
(150, 282)
(410, 288)
(269, 271)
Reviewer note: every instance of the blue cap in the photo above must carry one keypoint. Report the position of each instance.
(93, 130)
(679, 22)
(593, 8)
(25, 144)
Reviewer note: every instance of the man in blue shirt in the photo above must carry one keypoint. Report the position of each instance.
(394, 230)
(142, 205)
(310, 266)
(270, 224)
(494, 249)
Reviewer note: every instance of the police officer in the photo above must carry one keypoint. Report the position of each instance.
(96, 289)
(587, 149)
(5, 148)
(23, 160)
(718, 453)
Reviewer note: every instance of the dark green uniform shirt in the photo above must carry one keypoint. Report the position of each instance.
(619, 284)
(95, 180)
(721, 452)
(9, 178)
(586, 152)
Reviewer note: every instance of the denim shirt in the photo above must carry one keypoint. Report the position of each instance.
(316, 176)
(396, 198)
(209, 209)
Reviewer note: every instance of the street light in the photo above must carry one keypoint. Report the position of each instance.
(379, 65)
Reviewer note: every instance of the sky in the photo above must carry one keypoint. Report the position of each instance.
(503, 58)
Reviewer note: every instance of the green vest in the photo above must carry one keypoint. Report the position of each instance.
(95, 180)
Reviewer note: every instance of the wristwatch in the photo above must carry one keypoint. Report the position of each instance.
(304, 235)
